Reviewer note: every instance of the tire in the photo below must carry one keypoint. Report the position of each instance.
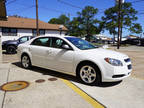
(89, 74)
(11, 49)
(25, 61)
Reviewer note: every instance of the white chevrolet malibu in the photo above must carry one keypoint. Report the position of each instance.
(75, 56)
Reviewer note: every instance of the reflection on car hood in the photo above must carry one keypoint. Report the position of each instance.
(105, 53)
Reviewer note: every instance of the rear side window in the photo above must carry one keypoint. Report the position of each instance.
(41, 42)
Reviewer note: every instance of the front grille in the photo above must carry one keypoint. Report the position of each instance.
(127, 60)
(129, 66)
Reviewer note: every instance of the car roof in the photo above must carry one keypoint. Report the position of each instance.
(54, 36)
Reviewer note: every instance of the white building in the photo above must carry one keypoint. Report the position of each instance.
(102, 37)
(15, 27)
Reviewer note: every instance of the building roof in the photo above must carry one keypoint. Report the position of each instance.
(28, 23)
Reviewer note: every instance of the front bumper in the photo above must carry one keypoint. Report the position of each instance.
(117, 73)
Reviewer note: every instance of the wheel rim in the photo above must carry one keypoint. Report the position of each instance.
(88, 74)
(25, 61)
(11, 50)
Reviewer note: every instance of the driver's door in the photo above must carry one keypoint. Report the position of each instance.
(61, 59)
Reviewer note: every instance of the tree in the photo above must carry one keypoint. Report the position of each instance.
(62, 19)
(55, 21)
(128, 18)
(136, 28)
(85, 24)
(88, 22)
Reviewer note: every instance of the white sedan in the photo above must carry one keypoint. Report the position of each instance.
(75, 56)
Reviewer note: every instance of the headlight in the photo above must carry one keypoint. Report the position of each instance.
(113, 62)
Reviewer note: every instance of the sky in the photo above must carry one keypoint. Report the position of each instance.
(54, 8)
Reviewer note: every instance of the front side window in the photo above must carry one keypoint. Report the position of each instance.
(44, 41)
(23, 39)
(9, 32)
(57, 42)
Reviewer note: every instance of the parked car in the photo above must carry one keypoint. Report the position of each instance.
(11, 45)
(142, 42)
(131, 41)
(75, 56)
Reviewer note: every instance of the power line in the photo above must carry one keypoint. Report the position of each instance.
(22, 9)
(54, 10)
(69, 4)
(12, 1)
(140, 13)
(50, 9)
(140, 10)
(137, 1)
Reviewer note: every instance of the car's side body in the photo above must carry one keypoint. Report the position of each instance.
(67, 61)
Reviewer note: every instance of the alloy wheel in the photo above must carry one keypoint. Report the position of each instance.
(25, 61)
(88, 74)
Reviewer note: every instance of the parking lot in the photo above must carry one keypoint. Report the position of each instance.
(65, 91)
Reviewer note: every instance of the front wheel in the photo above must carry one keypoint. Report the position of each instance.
(89, 74)
(25, 61)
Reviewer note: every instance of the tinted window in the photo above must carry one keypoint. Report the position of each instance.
(42, 42)
(57, 42)
(23, 39)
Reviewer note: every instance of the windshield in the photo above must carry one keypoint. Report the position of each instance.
(80, 43)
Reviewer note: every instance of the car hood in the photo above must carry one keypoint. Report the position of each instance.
(103, 53)
(10, 41)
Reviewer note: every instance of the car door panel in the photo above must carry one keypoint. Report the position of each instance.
(38, 55)
(40, 51)
(62, 59)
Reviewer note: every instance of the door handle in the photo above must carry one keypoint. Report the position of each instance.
(29, 49)
(48, 51)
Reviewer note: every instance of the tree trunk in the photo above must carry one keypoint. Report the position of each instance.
(87, 30)
(121, 34)
(113, 39)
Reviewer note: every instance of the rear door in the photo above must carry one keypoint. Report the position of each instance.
(40, 51)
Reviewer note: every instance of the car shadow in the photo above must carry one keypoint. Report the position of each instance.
(5, 53)
(66, 76)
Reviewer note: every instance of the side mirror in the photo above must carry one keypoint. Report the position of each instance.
(66, 47)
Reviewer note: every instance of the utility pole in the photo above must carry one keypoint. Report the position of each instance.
(119, 23)
(37, 21)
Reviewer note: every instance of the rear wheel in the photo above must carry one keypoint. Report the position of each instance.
(25, 61)
(11, 49)
(89, 74)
